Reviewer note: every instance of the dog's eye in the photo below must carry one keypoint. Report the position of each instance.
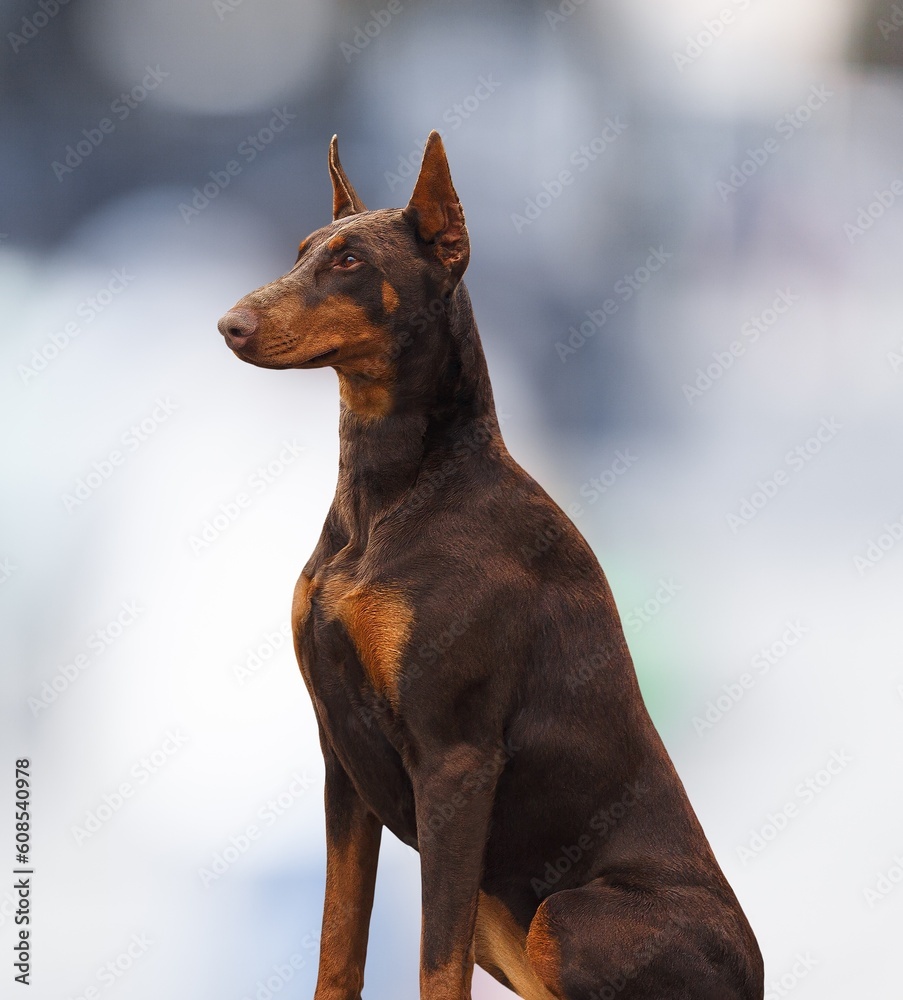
(348, 260)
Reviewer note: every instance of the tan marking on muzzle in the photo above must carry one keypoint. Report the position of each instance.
(289, 335)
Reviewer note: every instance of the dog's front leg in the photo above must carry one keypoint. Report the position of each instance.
(454, 795)
(352, 853)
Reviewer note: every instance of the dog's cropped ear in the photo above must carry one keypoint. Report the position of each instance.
(435, 211)
(344, 198)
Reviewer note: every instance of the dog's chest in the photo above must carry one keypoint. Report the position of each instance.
(377, 618)
(351, 637)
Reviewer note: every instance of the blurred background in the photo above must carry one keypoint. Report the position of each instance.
(686, 223)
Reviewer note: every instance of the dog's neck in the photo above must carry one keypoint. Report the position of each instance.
(405, 459)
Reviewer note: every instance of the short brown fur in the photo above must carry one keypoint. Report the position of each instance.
(378, 621)
(502, 943)
(543, 951)
(470, 680)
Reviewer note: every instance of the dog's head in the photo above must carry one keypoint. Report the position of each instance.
(366, 291)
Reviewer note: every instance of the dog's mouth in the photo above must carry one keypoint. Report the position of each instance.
(318, 359)
(243, 353)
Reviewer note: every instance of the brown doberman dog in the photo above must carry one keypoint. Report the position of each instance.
(465, 659)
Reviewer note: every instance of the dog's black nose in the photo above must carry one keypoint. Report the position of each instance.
(238, 326)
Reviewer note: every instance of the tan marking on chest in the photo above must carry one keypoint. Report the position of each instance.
(305, 588)
(378, 620)
(500, 941)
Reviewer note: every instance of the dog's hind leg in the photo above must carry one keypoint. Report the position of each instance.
(607, 942)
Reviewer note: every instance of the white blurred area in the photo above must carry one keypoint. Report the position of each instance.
(188, 663)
